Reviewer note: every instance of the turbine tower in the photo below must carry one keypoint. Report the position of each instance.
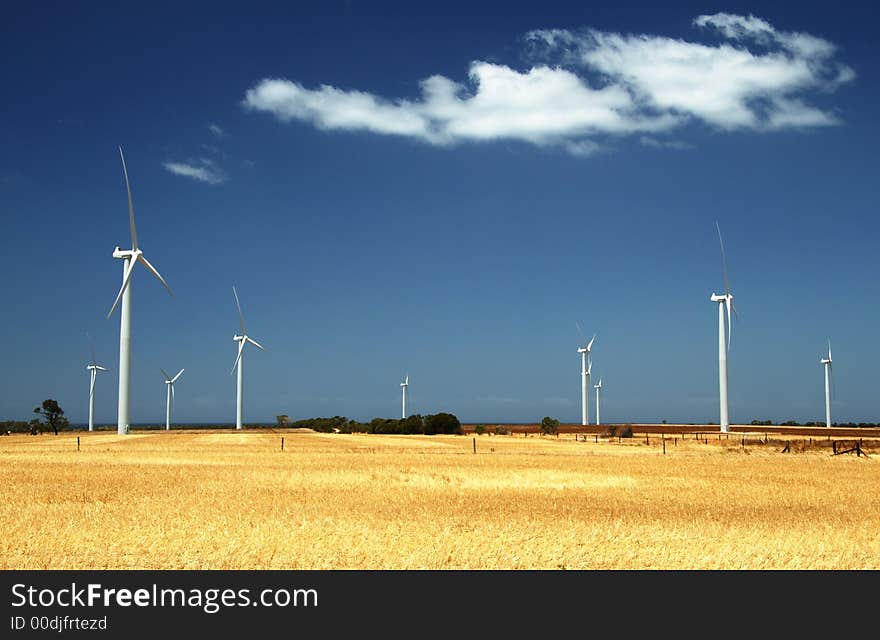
(826, 362)
(403, 386)
(129, 257)
(169, 400)
(93, 369)
(597, 387)
(723, 301)
(585, 374)
(239, 360)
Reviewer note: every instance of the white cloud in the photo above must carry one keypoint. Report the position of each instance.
(647, 141)
(216, 130)
(602, 85)
(202, 170)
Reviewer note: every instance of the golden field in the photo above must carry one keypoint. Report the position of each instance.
(234, 500)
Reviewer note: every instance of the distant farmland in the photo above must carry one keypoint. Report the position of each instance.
(234, 500)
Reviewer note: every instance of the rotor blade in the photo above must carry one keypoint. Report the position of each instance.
(254, 342)
(174, 379)
(92, 349)
(728, 304)
(829, 348)
(172, 395)
(134, 239)
(92, 387)
(733, 306)
(125, 282)
(167, 377)
(100, 368)
(238, 357)
(592, 340)
(723, 260)
(580, 331)
(155, 273)
(238, 306)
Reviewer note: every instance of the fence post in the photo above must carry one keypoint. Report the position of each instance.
(282, 443)
(663, 437)
(77, 443)
(475, 445)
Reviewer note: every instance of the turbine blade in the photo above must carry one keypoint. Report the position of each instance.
(134, 240)
(172, 395)
(164, 374)
(92, 387)
(829, 348)
(100, 368)
(580, 331)
(155, 273)
(238, 306)
(592, 340)
(238, 357)
(254, 342)
(125, 283)
(728, 304)
(723, 260)
(174, 379)
(92, 349)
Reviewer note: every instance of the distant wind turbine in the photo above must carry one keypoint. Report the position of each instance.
(239, 360)
(93, 369)
(597, 387)
(169, 400)
(826, 362)
(130, 257)
(724, 301)
(403, 386)
(586, 369)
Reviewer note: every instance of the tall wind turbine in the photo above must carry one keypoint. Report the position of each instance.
(93, 369)
(585, 374)
(403, 386)
(724, 301)
(169, 400)
(239, 360)
(826, 362)
(597, 387)
(129, 257)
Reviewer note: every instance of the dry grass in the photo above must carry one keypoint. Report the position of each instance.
(228, 500)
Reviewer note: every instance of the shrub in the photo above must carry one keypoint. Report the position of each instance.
(549, 425)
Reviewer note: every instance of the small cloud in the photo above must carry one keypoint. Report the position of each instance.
(216, 130)
(203, 170)
(210, 147)
(665, 144)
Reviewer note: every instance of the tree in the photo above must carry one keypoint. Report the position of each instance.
(442, 423)
(53, 415)
(549, 425)
(282, 420)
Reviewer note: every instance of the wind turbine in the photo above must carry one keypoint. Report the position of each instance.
(169, 382)
(93, 369)
(597, 387)
(723, 301)
(239, 360)
(585, 373)
(826, 362)
(129, 257)
(403, 386)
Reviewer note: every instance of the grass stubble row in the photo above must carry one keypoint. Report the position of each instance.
(234, 500)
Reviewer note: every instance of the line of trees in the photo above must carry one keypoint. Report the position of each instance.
(446, 423)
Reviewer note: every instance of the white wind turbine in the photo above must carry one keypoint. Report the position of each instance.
(129, 257)
(826, 362)
(597, 387)
(586, 369)
(239, 360)
(403, 386)
(724, 301)
(93, 370)
(169, 400)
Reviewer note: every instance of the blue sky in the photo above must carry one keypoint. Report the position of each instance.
(442, 191)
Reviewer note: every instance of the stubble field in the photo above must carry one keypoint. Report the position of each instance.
(234, 500)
